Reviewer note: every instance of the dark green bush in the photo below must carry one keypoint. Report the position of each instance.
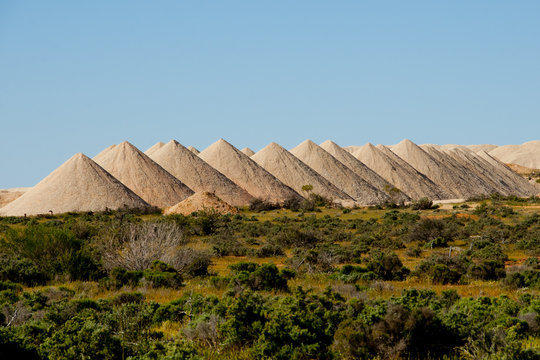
(259, 205)
(259, 277)
(21, 270)
(386, 265)
(423, 204)
(433, 232)
(487, 270)
(270, 250)
(442, 269)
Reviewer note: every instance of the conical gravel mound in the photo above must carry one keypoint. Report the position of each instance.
(154, 148)
(526, 154)
(293, 172)
(471, 176)
(248, 151)
(193, 150)
(509, 176)
(77, 185)
(143, 176)
(449, 179)
(246, 173)
(360, 169)
(198, 175)
(201, 201)
(9, 195)
(339, 174)
(485, 171)
(398, 172)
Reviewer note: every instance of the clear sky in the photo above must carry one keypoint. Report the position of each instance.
(77, 76)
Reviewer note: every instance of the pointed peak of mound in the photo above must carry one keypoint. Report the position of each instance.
(154, 148)
(142, 175)
(202, 201)
(338, 174)
(193, 149)
(360, 169)
(248, 151)
(77, 185)
(198, 175)
(405, 145)
(293, 172)
(246, 173)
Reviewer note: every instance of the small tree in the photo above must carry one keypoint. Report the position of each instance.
(307, 188)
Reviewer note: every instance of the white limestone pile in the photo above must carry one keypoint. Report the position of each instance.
(360, 169)
(77, 185)
(293, 172)
(246, 173)
(198, 175)
(398, 172)
(340, 175)
(142, 175)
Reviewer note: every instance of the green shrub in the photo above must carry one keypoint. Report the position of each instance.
(259, 277)
(523, 279)
(487, 270)
(423, 204)
(270, 250)
(386, 265)
(21, 270)
(259, 205)
(433, 232)
(54, 251)
(441, 269)
(442, 274)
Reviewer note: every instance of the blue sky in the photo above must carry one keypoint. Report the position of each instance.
(77, 76)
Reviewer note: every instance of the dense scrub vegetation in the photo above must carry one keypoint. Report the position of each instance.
(308, 282)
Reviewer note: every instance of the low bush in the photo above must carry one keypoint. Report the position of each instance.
(386, 265)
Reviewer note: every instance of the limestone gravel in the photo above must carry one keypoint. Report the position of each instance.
(77, 185)
(360, 169)
(246, 173)
(340, 175)
(142, 175)
(294, 173)
(198, 175)
(398, 172)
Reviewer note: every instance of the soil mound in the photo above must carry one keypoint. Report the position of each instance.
(526, 154)
(154, 148)
(448, 176)
(246, 173)
(340, 175)
(398, 172)
(9, 195)
(77, 185)
(360, 169)
(142, 175)
(198, 175)
(193, 150)
(470, 175)
(293, 172)
(248, 151)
